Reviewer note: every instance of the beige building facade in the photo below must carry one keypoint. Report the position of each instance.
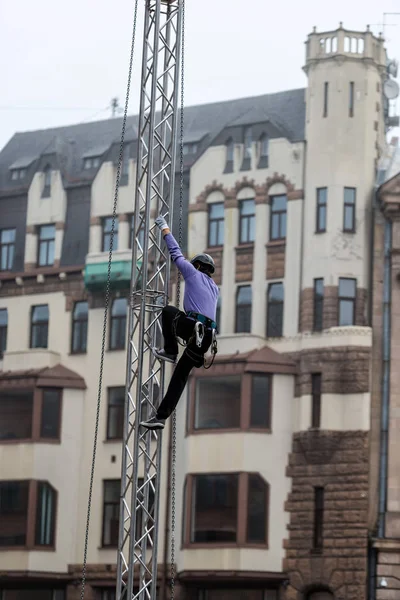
(278, 446)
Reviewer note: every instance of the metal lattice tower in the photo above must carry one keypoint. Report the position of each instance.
(156, 158)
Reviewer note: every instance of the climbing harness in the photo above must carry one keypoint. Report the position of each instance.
(107, 301)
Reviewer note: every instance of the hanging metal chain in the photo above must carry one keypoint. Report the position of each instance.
(178, 299)
(107, 300)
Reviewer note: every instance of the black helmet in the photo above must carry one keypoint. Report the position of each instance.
(205, 260)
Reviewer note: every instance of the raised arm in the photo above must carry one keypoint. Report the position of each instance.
(184, 266)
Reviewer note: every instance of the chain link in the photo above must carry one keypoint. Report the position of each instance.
(178, 300)
(107, 300)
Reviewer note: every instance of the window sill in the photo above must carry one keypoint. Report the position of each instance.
(27, 548)
(213, 248)
(77, 353)
(349, 231)
(13, 442)
(245, 246)
(227, 545)
(276, 243)
(116, 349)
(319, 231)
(218, 431)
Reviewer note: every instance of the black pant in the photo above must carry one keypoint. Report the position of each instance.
(174, 321)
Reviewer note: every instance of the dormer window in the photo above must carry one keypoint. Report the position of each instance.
(92, 162)
(17, 174)
(230, 148)
(189, 149)
(46, 182)
(264, 152)
(247, 146)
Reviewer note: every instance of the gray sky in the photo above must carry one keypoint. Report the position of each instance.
(62, 62)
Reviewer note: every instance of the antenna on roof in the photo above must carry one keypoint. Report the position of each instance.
(115, 107)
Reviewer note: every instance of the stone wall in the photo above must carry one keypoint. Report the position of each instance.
(337, 461)
(276, 260)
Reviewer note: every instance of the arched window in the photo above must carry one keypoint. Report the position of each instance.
(320, 595)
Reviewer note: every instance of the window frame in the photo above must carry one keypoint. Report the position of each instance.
(31, 517)
(347, 299)
(81, 322)
(316, 400)
(3, 334)
(104, 503)
(5, 247)
(352, 206)
(248, 219)
(280, 214)
(118, 319)
(105, 234)
(318, 305)
(110, 389)
(246, 401)
(321, 206)
(47, 243)
(188, 513)
(274, 302)
(218, 220)
(39, 324)
(36, 436)
(240, 308)
(40, 485)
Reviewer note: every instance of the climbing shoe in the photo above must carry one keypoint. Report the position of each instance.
(162, 355)
(153, 423)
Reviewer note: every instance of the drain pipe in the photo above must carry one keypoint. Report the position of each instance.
(384, 441)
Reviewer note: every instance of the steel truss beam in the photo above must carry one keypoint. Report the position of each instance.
(156, 158)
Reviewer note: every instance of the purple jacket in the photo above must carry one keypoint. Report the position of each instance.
(201, 292)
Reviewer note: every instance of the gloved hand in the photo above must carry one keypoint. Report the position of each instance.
(161, 223)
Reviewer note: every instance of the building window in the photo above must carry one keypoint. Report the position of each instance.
(46, 182)
(47, 237)
(16, 412)
(351, 99)
(275, 310)
(260, 408)
(243, 309)
(326, 91)
(17, 408)
(316, 386)
(125, 165)
(347, 301)
(80, 317)
(349, 210)
(132, 233)
(216, 224)
(318, 304)
(111, 496)
(39, 326)
(247, 221)
(45, 515)
(107, 229)
(318, 518)
(216, 515)
(17, 174)
(231, 402)
(118, 324)
(14, 497)
(217, 402)
(229, 164)
(263, 162)
(3, 331)
(217, 314)
(115, 413)
(277, 227)
(27, 515)
(189, 149)
(91, 162)
(50, 421)
(247, 149)
(322, 196)
(7, 249)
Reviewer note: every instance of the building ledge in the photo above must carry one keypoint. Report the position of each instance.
(57, 376)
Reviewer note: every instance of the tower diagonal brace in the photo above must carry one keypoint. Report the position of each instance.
(155, 175)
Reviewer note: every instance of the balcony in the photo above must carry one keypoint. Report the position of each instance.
(96, 271)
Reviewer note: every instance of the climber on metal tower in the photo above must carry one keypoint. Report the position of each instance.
(196, 325)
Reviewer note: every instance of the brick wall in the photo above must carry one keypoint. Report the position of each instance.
(244, 263)
(337, 461)
(275, 260)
